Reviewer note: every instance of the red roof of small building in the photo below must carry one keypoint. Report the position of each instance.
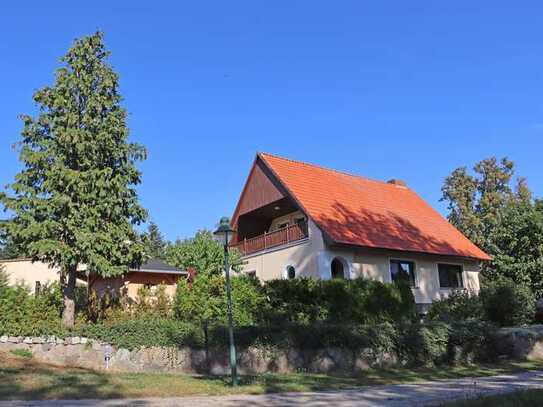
(358, 211)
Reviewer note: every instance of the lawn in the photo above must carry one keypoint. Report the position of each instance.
(22, 377)
(527, 398)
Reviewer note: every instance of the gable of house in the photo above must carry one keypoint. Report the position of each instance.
(355, 211)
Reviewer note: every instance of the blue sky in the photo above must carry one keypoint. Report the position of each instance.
(384, 89)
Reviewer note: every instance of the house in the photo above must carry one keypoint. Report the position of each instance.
(33, 274)
(295, 219)
(150, 274)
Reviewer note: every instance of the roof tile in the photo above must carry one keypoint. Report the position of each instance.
(358, 211)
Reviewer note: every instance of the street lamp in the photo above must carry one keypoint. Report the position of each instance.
(223, 234)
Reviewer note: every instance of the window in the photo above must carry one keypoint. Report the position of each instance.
(291, 272)
(251, 274)
(450, 276)
(337, 269)
(282, 225)
(401, 270)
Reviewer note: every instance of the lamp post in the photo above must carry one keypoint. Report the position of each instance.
(224, 234)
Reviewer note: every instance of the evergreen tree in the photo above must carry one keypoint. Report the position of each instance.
(155, 244)
(7, 249)
(74, 202)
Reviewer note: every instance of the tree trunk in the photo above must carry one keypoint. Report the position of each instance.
(68, 293)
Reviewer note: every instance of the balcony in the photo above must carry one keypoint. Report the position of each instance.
(280, 237)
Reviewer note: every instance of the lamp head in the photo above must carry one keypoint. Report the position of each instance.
(224, 231)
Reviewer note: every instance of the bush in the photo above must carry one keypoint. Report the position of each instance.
(203, 300)
(461, 305)
(471, 341)
(423, 344)
(336, 301)
(506, 303)
(24, 314)
(144, 332)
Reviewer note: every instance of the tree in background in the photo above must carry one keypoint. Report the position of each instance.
(155, 244)
(504, 221)
(201, 252)
(75, 200)
(7, 249)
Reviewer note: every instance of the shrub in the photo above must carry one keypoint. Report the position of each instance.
(423, 344)
(471, 341)
(336, 301)
(204, 300)
(144, 332)
(23, 314)
(461, 305)
(506, 303)
(152, 302)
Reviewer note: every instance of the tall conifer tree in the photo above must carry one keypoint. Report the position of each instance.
(74, 202)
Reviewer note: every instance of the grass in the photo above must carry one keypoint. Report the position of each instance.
(24, 353)
(526, 398)
(24, 378)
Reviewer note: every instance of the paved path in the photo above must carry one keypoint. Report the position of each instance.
(421, 394)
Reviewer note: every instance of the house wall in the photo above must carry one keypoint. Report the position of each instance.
(28, 272)
(290, 218)
(130, 284)
(313, 258)
(301, 255)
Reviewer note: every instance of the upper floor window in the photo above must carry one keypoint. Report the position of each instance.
(450, 276)
(401, 270)
(282, 225)
(291, 272)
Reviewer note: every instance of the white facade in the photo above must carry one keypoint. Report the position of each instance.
(312, 257)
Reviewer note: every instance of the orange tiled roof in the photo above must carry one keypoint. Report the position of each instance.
(362, 212)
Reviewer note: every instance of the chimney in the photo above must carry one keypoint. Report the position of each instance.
(398, 182)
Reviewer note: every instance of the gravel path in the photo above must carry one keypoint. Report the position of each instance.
(420, 394)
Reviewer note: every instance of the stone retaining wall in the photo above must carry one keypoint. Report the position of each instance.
(515, 343)
(84, 352)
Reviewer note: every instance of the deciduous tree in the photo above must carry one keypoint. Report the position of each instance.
(201, 252)
(505, 222)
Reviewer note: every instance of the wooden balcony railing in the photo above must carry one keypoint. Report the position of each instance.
(273, 239)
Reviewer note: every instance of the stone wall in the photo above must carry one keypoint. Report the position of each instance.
(83, 352)
(524, 343)
(516, 343)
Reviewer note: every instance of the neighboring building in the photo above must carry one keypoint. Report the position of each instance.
(150, 274)
(33, 274)
(300, 220)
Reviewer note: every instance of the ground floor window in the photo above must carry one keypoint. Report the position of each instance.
(450, 276)
(337, 269)
(251, 274)
(402, 270)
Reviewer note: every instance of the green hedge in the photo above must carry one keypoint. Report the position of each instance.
(356, 301)
(501, 302)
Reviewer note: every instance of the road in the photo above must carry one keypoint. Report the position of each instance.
(420, 394)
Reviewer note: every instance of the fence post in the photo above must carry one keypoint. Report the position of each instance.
(264, 240)
(244, 245)
(288, 234)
